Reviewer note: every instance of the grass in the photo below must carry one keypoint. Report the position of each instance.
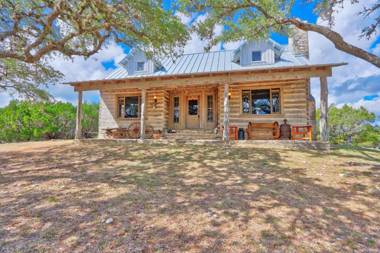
(55, 197)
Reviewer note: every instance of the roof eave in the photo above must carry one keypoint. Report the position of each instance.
(331, 65)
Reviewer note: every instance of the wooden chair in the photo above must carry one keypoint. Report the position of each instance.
(233, 132)
(263, 131)
(302, 132)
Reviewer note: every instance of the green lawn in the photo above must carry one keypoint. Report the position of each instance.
(56, 197)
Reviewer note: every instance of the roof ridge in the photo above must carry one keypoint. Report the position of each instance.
(217, 51)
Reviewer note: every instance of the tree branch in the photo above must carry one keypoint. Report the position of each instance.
(337, 40)
(328, 33)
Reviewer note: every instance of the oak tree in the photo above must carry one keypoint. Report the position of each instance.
(32, 30)
(253, 19)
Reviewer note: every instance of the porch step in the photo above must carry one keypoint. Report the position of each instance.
(190, 134)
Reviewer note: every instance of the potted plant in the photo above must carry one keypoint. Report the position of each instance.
(156, 134)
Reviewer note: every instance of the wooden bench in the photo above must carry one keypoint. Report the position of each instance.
(263, 131)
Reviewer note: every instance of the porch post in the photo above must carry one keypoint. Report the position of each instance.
(142, 114)
(323, 124)
(226, 119)
(78, 123)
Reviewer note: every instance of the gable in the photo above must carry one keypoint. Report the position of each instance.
(136, 63)
(257, 52)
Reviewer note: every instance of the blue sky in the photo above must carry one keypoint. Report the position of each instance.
(357, 84)
(301, 10)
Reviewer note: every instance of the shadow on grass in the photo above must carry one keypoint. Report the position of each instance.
(180, 198)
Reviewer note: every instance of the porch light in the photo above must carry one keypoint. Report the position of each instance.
(155, 102)
(229, 95)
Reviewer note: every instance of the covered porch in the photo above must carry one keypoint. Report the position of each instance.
(207, 102)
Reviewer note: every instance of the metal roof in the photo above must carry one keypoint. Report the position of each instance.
(217, 61)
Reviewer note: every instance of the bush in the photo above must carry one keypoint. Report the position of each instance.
(26, 120)
(349, 125)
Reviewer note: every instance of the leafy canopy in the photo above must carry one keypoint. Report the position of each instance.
(27, 79)
(27, 120)
(256, 19)
(352, 125)
(31, 31)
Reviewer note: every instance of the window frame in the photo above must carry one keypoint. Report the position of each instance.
(261, 56)
(179, 109)
(123, 97)
(137, 66)
(270, 98)
(188, 113)
(212, 108)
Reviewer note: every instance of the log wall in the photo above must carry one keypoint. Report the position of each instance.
(156, 116)
(294, 106)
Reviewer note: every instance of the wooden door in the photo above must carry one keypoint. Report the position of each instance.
(193, 112)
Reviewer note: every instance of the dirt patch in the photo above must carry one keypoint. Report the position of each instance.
(59, 196)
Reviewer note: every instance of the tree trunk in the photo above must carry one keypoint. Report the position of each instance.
(142, 114)
(324, 110)
(78, 126)
(226, 120)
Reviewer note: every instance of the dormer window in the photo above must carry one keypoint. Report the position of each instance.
(256, 56)
(140, 66)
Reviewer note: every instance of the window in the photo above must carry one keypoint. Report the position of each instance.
(276, 105)
(210, 108)
(261, 102)
(120, 105)
(128, 107)
(140, 66)
(246, 101)
(193, 107)
(256, 56)
(176, 110)
(131, 107)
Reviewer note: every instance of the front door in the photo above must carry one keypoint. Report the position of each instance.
(193, 112)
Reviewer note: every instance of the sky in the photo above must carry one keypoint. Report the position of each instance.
(357, 83)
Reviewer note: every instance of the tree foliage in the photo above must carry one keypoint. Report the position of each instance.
(255, 19)
(351, 125)
(27, 79)
(26, 120)
(369, 136)
(33, 30)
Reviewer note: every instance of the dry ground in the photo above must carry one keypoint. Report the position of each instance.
(56, 196)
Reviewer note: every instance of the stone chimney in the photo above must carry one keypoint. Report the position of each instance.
(299, 42)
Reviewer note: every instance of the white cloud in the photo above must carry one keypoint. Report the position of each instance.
(195, 43)
(83, 69)
(349, 24)
(185, 19)
(79, 68)
(373, 104)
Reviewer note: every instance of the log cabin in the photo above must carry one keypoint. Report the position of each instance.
(258, 82)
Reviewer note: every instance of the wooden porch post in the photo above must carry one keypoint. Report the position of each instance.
(323, 124)
(142, 114)
(226, 119)
(78, 123)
